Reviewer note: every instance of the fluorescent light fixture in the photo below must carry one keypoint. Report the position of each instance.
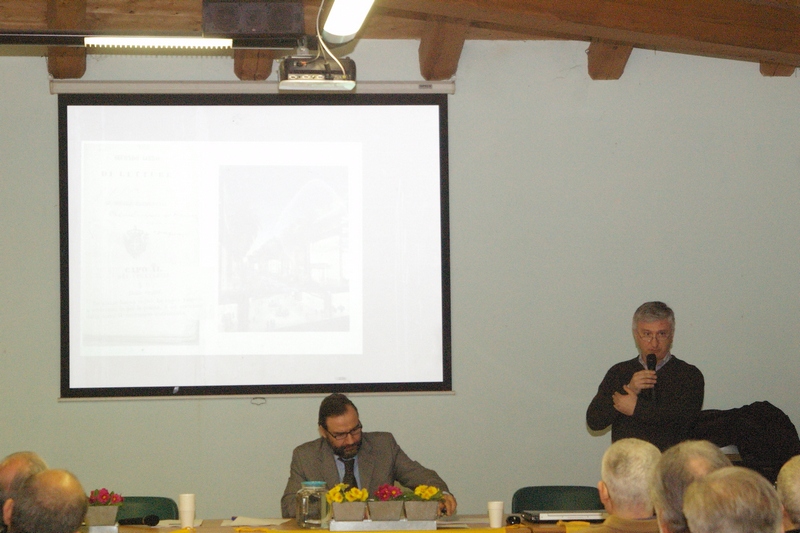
(158, 42)
(345, 19)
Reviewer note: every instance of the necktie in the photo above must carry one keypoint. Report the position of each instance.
(349, 474)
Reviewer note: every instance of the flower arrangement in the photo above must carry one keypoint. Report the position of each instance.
(388, 493)
(343, 492)
(104, 497)
(425, 493)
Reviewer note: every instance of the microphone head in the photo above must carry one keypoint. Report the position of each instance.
(150, 520)
(651, 361)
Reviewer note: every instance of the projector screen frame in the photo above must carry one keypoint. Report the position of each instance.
(69, 392)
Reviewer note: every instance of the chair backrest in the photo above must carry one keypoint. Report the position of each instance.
(141, 506)
(556, 498)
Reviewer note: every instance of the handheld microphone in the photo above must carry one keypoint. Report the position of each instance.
(651, 365)
(149, 520)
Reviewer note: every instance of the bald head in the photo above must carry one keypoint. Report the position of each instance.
(52, 501)
(16, 468)
(678, 467)
(734, 500)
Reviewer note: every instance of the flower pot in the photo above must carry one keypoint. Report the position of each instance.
(391, 510)
(349, 511)
(422, 510)
(101, 515)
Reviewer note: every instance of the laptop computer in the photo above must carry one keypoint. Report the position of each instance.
(555, 516)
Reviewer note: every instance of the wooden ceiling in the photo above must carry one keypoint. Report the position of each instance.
(760, 31)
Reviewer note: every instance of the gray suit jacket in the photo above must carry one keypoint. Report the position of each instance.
(380, 461)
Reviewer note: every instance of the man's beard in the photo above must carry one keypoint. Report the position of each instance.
(347, 451)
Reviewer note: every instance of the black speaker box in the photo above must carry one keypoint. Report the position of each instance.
(253, 18)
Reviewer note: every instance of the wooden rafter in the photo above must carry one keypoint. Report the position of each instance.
(440, 48)
(62, 61)
(607, 60)
(762, 31)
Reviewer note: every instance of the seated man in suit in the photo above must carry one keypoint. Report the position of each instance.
(345, 454)
(52, 501)
(626, 472)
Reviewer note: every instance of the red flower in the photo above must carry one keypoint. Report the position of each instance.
(104, 497)
(388, 492)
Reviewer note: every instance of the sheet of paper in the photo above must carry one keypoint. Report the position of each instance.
(253, 522)
(177, 523)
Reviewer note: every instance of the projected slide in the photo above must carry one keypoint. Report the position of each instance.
(234, 249)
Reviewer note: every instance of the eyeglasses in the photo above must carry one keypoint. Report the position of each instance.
(649, 335)
(355, 432)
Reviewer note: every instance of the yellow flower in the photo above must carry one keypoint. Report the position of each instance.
(357, 495)
(430, 493)
(424, 492)
(335, 494)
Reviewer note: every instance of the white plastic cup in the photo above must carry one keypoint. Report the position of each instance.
(186, 509)
(495, 514)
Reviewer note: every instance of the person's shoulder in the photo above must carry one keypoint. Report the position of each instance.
(683, 364)
(624, 365)
(378, 436)
(310, 446)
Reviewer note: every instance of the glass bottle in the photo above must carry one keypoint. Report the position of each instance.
(312, 505)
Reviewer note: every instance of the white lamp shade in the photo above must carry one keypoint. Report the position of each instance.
(345, 19)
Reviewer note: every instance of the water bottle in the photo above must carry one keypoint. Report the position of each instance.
(312, 505)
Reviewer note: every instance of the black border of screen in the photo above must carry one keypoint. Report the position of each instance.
(322, 99)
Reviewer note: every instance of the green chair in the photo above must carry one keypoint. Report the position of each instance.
(141, 506)
(556, 498)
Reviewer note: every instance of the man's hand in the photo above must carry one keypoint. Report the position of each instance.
(625, 403)
(643, 379)
(447, 505)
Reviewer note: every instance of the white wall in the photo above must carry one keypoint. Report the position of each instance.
(572, 202)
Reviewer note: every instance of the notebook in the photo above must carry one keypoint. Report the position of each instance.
(555, 516)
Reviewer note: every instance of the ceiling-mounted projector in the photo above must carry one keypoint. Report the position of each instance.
(316, 74)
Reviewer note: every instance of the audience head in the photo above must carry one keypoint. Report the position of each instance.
(678, 467)
(16, 468)
(52, 501)
(788, 484)
(626, 473)
(734, 500)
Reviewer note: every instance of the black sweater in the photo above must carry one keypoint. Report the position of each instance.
(665, 421)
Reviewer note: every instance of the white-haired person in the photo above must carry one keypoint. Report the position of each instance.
(733, 499)
(788, 485)
(626, 473)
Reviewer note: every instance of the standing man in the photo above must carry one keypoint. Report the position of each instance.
(345, 454)
(626, 473)
(659, 405)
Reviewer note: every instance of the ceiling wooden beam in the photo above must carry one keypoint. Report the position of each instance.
(734, 29)
(607, 60)
(762, 31)
(440, 48)
(253, 65)
(774, 69)
(63, 61)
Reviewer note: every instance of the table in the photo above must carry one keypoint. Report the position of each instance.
(472, 523)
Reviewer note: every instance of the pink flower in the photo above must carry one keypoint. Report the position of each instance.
(104, 497)
(387, 492)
